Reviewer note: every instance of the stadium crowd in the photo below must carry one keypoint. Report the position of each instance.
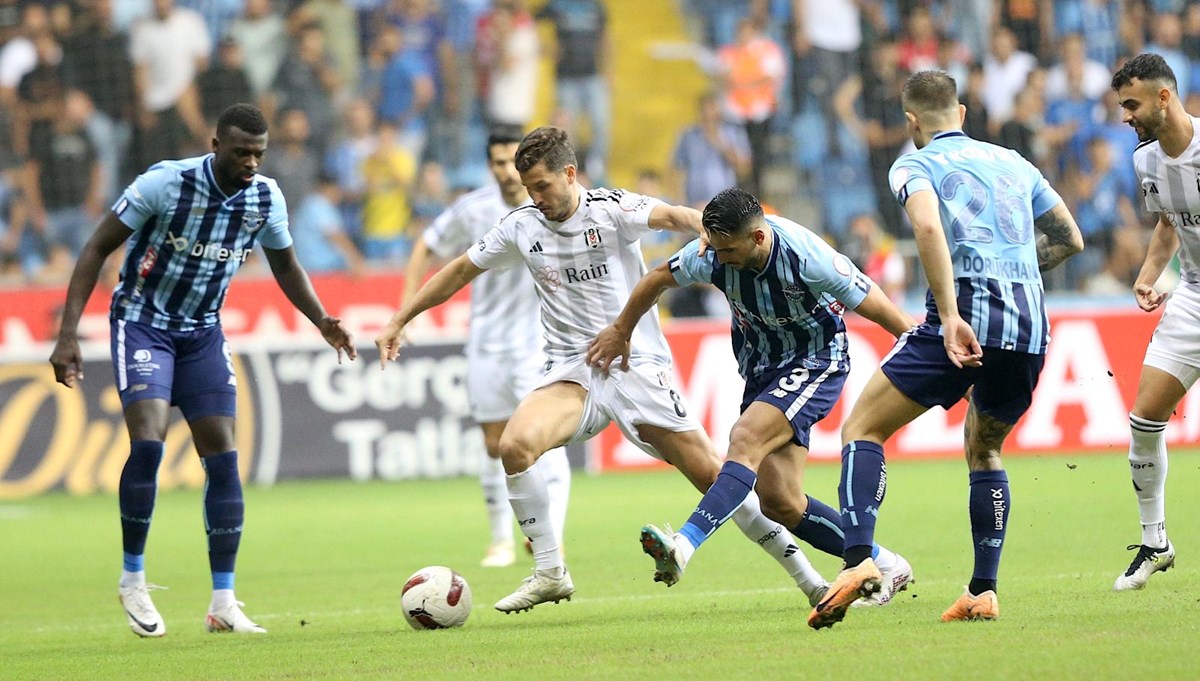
(380, 109)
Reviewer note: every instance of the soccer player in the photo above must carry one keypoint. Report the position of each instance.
(193, 223)
(787, 290)
(974, 209)
(1167, 168)
(504, 349)
(581, 245)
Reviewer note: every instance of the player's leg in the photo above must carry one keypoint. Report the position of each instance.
(1163, 384)
(143, 363)
(528, 372)
(548, 417)
(206, 392)
(495, 496)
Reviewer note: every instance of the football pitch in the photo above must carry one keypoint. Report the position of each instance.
(322, 565)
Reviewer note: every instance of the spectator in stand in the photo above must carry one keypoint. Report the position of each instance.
(1005, 72)
(387, 209)
(345, 161)
(581, 69)
(1167, 41)
(1090, 77)
(507, 63)
(752, 72)
(406, 91)
(1022, 131)
(1103, 208)
(711, 155)
(826, 37)
(224, 83)
(168, 49)
(308, 81)
(18, 56)
(1030, 21)
(918, 48)
(96, 61)
(970, 22)
(322, 244)
(976, 124)
(874, 252)
(339, 23)
(217, 14)
(262, 32)
(40, 94)
(64, 186)
(1097, 22)
(431, 197)
(293, 161)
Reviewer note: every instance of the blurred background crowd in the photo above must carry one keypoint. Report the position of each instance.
(380, 109)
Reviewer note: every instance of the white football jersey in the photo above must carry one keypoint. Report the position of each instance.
(584, 269)
(504, 304)
(1172, 187)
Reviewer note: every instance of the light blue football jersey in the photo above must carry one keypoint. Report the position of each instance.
(188, 240)
(989, 197)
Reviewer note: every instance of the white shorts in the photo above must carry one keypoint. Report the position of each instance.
(642, 395)
(1175, 345)
(497, 382)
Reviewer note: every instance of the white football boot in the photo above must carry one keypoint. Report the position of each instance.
(1145, 563)
(542, 586)
(143, 617)
(895, 579)
(499, 554)
(231, 619)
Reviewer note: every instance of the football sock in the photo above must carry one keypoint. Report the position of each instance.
(884, 559)
(495, 496)
(821, 527)
(135, 497)
(861, 492)
(989, 503)
(224, 512)
(556, 470)
(732, 486)
(1148, 468)
(775, 540)
(221, 598)
(531, 504)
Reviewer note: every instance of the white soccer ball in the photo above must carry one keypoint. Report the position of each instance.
(436, 597)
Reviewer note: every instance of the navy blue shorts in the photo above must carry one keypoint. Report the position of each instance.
(1003, 386)
(190, 369)
(804, 393)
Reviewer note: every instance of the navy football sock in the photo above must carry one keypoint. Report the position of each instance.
(719, 502)
(861, 492)
(224, 512)
(989, 506)
(821, 527)
(135, 497)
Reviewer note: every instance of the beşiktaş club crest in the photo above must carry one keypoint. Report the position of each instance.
(593, 237)
(252, 220)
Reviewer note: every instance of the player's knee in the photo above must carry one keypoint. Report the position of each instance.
(748, 445)
(518, 452)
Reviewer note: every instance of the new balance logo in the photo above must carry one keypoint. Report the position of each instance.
(536, 248)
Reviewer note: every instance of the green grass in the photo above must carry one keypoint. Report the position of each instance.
(322, 564)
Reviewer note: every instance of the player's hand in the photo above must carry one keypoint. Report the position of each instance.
(337, 336)
(388, 343)
(67, 361)
(1147, 298)
(608, 345)
(961, 345)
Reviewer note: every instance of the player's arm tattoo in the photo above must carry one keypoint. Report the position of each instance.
(1058, 238)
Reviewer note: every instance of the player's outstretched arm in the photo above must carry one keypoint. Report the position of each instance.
(1059, 237)
(675, 219)
(613, 341)
(881, 310)
(962, 347)
(294, 283)
(66, 357)
(450, 280)
(1163, 245)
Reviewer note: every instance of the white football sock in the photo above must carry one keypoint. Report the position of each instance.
(495, 496)
(222, 598)
(556, 470)
(885, 559)
(777, 542)
(1148, 468)
(129, 579)
(531, 504)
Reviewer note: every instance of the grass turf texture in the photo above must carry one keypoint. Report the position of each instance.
(322, 564)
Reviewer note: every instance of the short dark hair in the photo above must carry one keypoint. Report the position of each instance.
(1145, 67)
(731, 212)
(929, 90)
(245, 117)
(503, 134)
(546, 144)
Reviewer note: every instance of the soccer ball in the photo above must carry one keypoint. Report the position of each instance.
(436, 597)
